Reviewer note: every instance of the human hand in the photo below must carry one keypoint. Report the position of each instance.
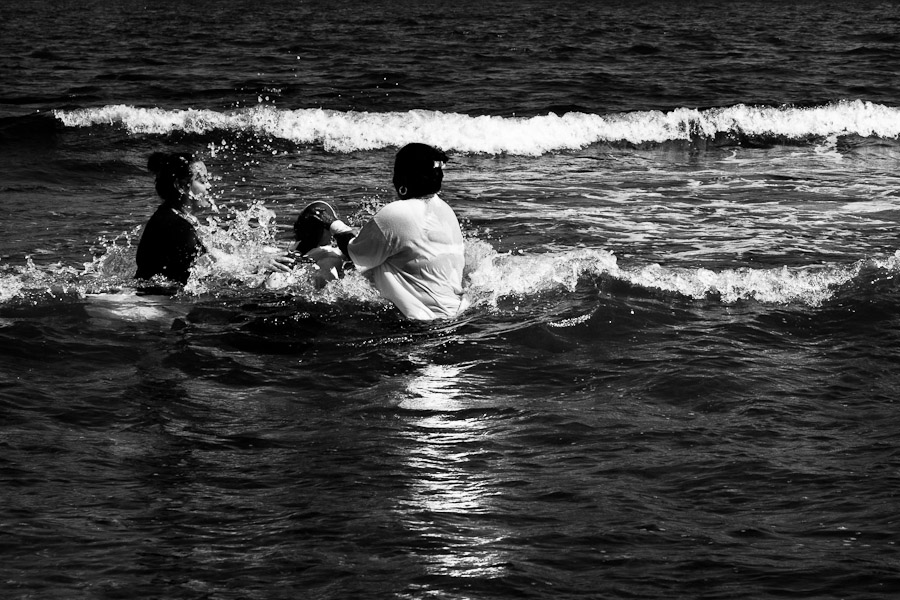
(324, 214)
(276, 260)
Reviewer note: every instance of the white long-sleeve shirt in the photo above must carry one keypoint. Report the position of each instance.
(413, 252)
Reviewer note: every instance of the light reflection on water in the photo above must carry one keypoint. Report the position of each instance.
(452, 481)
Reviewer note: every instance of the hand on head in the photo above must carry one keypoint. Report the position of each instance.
(324, 214)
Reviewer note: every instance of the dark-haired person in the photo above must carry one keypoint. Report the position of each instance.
(312, 240)
(169, 244)
(412, 249)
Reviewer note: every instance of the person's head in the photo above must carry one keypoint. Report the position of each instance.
(182, 180)
(309, 231)
(418, 170)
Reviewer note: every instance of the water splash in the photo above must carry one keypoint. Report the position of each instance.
(31, 281)
(241, 243)
(781, 285)
(492, 277)
(239, 248)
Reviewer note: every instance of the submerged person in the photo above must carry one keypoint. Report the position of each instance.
(170, 243)
(412, 249)
(312, 240)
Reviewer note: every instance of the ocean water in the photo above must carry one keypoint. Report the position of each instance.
(678, 377)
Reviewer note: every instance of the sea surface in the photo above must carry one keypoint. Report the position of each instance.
(678, 378)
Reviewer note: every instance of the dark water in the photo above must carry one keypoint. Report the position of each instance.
(470, 57)
(678, 378)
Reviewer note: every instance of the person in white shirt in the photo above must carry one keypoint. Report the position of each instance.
(412, 249)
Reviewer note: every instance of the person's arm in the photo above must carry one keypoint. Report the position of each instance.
(340, 231)
(367, 249)
(342, 235)
(371, 246)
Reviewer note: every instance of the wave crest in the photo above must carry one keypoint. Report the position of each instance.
(345, 132)
(491, 278)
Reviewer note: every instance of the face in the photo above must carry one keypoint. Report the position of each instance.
(198, 190)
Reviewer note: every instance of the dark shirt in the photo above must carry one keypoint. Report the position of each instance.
(168, 247)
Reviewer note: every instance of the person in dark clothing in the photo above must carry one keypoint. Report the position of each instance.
(169, 244)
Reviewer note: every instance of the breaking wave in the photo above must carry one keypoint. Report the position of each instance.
(344, 132)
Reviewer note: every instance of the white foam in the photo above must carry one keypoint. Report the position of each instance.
(770, 286)
(239, 245)
(494, 276)
(339, 131)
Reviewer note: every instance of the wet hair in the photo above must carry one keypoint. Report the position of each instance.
(170, 170)
(415, 171)
(308, 230)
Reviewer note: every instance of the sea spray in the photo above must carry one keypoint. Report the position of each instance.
(38, 283)
(238, 245)
(809, 286)
(491, 276)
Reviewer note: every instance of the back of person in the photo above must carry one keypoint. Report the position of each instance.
(168, 247)
(412, 249)
(414, 253)
(169, 243)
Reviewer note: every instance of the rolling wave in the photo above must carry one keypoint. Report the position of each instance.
(491, 278)
(344, 132)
